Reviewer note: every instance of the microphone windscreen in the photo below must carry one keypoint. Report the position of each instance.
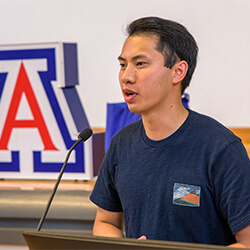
(85, 134)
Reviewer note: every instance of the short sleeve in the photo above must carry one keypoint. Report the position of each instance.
(231, 175)
(104, 193)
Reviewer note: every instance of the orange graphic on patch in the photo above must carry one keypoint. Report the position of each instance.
(191, 197)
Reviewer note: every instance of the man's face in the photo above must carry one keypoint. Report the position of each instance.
(144, 81)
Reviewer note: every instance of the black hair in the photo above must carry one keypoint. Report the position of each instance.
(174, 42)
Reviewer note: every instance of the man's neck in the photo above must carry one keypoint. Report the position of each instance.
(162, 125)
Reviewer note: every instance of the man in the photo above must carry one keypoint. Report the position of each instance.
(175, 175)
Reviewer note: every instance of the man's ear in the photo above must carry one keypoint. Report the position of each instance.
(180, 71)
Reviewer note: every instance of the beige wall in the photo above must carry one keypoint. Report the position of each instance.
(221, 84)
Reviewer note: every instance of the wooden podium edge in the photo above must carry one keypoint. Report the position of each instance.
(109, 243)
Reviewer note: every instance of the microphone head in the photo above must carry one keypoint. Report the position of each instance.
(85, 134)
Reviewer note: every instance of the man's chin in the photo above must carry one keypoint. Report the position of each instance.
(133, 109)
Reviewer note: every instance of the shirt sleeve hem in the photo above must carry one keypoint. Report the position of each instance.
(109, 207)
(238, 226)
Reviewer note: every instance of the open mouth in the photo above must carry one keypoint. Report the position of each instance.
(129, 96)
(128, 92)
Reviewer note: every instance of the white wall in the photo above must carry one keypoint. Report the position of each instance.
(221, 85)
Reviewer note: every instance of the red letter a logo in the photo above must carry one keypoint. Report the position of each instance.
(23, 86)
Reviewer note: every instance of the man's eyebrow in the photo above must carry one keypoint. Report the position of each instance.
(133, 58)
(121, 58)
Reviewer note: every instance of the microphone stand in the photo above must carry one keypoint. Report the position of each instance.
(89, 132)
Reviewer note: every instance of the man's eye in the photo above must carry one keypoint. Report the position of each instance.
(122, 65)
(140, 63)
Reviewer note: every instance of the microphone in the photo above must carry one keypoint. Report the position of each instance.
(85, 134)
(82, 137)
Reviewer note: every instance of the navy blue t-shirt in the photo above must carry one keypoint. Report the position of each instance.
(193, 186)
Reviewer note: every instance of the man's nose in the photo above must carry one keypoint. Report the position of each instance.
(128, 75)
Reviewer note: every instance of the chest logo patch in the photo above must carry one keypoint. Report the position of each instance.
(186, 195)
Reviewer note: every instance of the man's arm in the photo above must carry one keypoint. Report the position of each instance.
(242, 238)
(108, 224)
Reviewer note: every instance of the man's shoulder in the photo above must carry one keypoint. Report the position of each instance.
(132, 130)
(208, 126)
